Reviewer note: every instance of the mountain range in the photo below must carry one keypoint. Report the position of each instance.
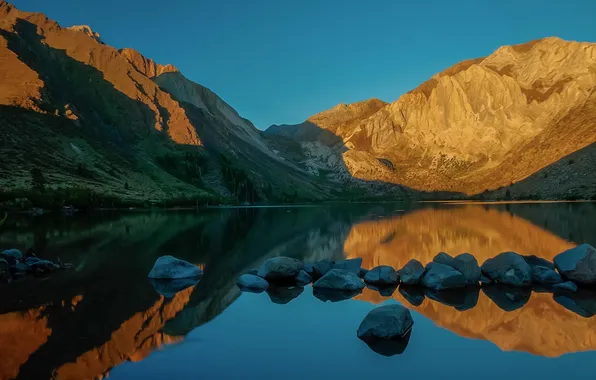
(82, 122)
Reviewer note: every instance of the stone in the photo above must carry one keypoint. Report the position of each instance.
(568, 286)
(11, 255)
(168, 288)
(362, 272)
(169, 267)
(507, 297)
(280, 270)
(544, 275)
(485, 280)
(43, 266)
(412, 272)
(534, 260)
(284, 294)
(440, 277)
(31, 260)
(303, 278)
(464, 263)
(460, 299)
(308, 268)
(332, 295)
(339, 279)
(351, 265)
(386, 322)
(252, 282)
(382, 275)
(578, 264)
(508, 268)
(412, 294)
(320, 268)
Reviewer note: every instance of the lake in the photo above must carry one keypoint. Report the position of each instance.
(104, 318)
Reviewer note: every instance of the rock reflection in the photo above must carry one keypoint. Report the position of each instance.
(413, 294)
(390, 347)
(460, 299)
(282, 294)
(508, 298)
(334, 295)
(169, 288)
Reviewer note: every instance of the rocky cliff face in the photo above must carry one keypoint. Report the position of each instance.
(481, 124)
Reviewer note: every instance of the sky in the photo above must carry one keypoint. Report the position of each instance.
(281, 61)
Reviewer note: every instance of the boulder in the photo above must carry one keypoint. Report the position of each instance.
(568, 286)
(283, 294)
(464, 263)
(534, 261)
(252, 282)
(43, 266)
(309, 268)
(351, 265)
(169, 267)
(412, 272)
(440, 277)
(507, 297)
(413, 294)
(280, 270)
(320, 268)
(168, 288)
(508, 268)
(303, 278)
(31, 260)
(544, 275)
(485, 280)
(339, 279)
(578, 264)
(386, 322)
(382, 275)
(362, 272)
(11, 255)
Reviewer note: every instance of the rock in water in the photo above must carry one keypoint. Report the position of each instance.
(351, 265)
(544, 275)
(362, 272)
(386, 322)
(252, 282)
(464, 263)
(578, 264)
(441, 277)
(339, 279)
(169, 267)
(382, 275)
(43, 266)
(534, 261)
(411, 273)
(303, 278)
(568, 286)
(508, 268)
(11, 255)
(281, 270)
(320, 268)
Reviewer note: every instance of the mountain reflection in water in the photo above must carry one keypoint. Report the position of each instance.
(84, 322)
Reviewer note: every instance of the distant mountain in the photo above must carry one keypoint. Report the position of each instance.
(523, 116)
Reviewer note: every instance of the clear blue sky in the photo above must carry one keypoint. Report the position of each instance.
(280, 61)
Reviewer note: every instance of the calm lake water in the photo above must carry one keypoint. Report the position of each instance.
(104, 318)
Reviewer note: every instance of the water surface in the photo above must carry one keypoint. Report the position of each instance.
(105, 318)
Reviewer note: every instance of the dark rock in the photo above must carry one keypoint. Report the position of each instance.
(31, 260)
(283, 294)
(485, 280)
(333, 295)
(303, 278)
(339, 279)
(351, 265)
(568, 286)
(254, 272)
(461, 299)
(280, 270)
(411, 273)
(309, 268)
(507, 297)
(464, 263)
(413, 294)
(11, 255)
(169, 267)
(19, 267)
(542, 288)
(168, 288)
(385, 291)
(508, 268)
(253, 283)
(544, 275)
(533, 261)
(440, 277)
(43, 267)
(389, 347)
(578, 264)
(320, 268)
(362, 272)
(386, 322)
(382, 275)
(582, 303)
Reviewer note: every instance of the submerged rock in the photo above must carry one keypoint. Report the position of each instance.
(253, 283)
(440, 277)
(284, 294)
(280, 270)
(351, 265)
(382, 275)
(568, 286)
(333, 295)
(11, 255)
(169, 267)
(303, 278)
(411, 273)
(578, 264)
(508, 268)
(339, 279)
(507, 297)
(413, 294)
(544, 275)
(386, 322)
(168, 288)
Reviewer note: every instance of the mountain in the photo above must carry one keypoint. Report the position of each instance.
(523, 118)
(85, 123)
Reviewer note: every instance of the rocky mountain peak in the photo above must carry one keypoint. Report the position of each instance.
(87, 30)
(145, 65)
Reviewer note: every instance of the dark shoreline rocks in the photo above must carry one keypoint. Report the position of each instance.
(339, 279)
(440, 277)
(14, 264)
(508, 268)
(280, 270)
(578, 264)
(382, 275)
(412, 272)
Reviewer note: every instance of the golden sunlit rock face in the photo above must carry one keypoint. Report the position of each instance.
(541, 326)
